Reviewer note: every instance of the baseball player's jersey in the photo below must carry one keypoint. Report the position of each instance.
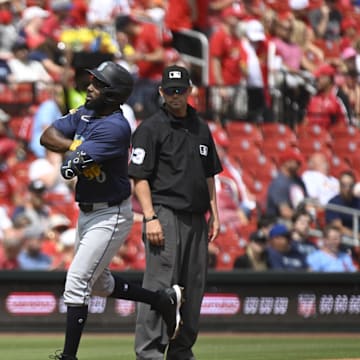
(106, 139)
(176, 156)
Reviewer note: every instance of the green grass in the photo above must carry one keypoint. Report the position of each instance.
(208, 347)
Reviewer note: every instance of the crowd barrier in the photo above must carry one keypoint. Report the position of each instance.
(234, 302)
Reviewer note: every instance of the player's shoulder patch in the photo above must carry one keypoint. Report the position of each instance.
(73, 111)
(137, 156)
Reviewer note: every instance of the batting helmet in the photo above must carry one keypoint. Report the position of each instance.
(118, 80)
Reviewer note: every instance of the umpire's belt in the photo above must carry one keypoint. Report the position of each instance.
(87, 207)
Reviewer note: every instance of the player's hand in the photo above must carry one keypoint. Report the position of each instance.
(92, 172)
(154, 233)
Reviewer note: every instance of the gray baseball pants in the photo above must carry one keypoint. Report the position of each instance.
(182, 260)
(100, 234)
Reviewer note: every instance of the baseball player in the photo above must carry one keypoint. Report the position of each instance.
(95, 140)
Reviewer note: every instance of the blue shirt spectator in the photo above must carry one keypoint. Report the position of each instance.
(330, 258)
(345, 198)
(281, 252)
(47, 112)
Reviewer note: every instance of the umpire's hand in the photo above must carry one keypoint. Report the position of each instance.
(154, 232)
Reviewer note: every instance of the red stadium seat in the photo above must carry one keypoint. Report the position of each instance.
(344, 131)
(244, 130)
(315, 132)
(309, 146)
(278, 131)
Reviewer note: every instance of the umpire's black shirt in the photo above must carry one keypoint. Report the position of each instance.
(176, 156)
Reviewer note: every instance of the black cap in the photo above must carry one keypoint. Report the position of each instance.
(175, 76)
(37, 186)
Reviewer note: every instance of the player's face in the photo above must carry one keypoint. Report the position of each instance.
(94, 96)
(176, 99)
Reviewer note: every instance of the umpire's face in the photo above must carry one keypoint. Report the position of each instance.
(176, 99)
(95, 98)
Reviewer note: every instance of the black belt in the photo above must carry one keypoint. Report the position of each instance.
(87, 207)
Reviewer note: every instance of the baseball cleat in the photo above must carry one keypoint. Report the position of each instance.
(170, 303)
(60, 356)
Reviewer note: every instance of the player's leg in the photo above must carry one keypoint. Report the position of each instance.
(98, 240)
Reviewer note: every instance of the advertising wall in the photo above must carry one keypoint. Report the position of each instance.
(236, 301)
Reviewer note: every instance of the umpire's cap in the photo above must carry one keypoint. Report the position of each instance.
(119, 81)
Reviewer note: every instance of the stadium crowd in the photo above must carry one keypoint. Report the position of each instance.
(281, 96)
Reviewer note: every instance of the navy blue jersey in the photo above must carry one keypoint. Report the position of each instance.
(106, 139)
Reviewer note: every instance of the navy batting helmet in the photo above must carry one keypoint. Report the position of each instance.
(118, 80)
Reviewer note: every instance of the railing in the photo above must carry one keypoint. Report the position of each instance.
(354, 240)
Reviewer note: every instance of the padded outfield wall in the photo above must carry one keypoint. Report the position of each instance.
(234, 301)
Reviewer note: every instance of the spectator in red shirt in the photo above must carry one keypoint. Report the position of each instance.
(325, 108)
(227, 61)
(149, 56)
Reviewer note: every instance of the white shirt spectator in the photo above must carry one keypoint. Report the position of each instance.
(319, 186)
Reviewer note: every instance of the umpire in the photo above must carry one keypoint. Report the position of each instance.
(173, 164)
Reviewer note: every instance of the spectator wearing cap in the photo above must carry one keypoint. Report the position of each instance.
(23, 68)
(331, 257)
(31, 257)
(35, 208)
(325, 108)
(58, 223)
(31, 24)
(281, 252)
(255, 257)
(149, 57)
(349, 32)
(227, 64)
(287, 190)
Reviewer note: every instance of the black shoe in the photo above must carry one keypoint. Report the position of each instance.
(169, 305)
(60, 356)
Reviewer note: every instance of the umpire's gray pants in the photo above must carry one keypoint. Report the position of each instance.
(182, 260)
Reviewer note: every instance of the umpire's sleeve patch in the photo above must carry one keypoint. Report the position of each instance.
(137, 156)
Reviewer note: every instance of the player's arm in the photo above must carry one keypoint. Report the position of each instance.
(79, 162)
(153, 229)
(54, 140)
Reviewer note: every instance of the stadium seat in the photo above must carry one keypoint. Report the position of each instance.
(244, 130)
(344, 131)
(261, 167)
(278, 131)
(273, 148)
(344, 147)
(309, 146)
(315, 132)
(240, 149)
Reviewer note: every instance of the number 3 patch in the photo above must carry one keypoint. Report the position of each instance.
(137, 156)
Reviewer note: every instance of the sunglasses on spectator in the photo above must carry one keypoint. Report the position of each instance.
(175, 90)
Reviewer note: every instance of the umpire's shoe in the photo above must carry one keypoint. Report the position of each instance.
(61, 356)
(170, 301)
